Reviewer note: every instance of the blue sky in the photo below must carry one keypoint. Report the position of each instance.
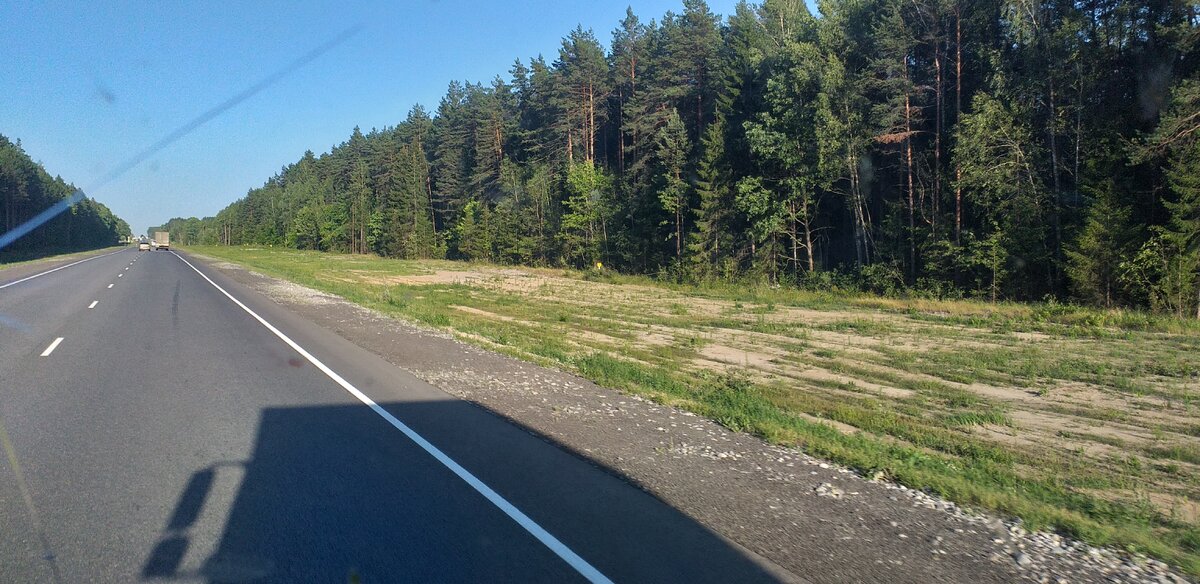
(84, 87)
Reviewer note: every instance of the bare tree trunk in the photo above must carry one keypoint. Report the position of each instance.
(912, 225)
(499, 136)
(957, 119)
(774, 258)
(1053, 136)
(678, 223)
(432, 213)
(1078, 125)
(620, 126)
(591, 145)
(862, 248)
(858, 239)
(794, 234)
(994, 280)
(808, 247)
(937, 137)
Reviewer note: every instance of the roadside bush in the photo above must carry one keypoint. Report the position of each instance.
(675, 273)
(882, 279)
(936, 289)
(827, 281)
(594, 274)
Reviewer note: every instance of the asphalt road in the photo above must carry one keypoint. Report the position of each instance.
(171, 435)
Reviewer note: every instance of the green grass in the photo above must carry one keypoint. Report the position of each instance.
(1180, 452)
(11, 259)
(928, 440)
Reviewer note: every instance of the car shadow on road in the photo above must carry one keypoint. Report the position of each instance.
(334, 493)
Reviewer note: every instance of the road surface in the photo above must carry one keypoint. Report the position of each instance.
(160, 422)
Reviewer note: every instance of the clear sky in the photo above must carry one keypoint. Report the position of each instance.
(85, 86)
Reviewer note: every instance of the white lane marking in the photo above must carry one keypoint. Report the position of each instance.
(559, 548)
(93, 304)
(110, 285)
(120, 275)
(52, 347)
(127, 268)
(26, 279)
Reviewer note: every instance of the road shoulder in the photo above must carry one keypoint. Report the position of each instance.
(810, 517)
(16, 270)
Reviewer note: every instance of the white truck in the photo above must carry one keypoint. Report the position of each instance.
(162, 240)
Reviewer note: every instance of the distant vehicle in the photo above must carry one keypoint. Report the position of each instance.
(144, 246)
(162, 240)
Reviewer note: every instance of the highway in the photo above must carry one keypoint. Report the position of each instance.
(163, 423)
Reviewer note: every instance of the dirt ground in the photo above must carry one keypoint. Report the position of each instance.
(885, 355)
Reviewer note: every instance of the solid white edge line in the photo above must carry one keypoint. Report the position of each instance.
(52, 347)
(93, 304)
(26, 279)
(552, 543)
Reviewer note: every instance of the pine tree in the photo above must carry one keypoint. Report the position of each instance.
(695, 50)
(359, 199)
(1093, 262)
(582, 93)
(673, 147)
(1182, 231)
(628, 52)
(473, 233)
(494, 114)
(897, 110)
(450, 165)
(712, 240)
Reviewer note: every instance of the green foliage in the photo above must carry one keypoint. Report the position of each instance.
(1095, 258)
(584, 225)
(1168, 265)
(711, 243)
(305, 232)
(766, 219)
(473, 234)
(26, 189)
(885, 279)
(980, 149)
(1165, 272)
(1182, 231)
(672, 155)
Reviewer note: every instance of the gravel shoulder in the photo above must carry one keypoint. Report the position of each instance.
(820, 522)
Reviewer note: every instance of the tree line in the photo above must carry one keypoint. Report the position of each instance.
(1003, 149)
(26, 189)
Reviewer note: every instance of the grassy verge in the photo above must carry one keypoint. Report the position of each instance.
(10, 260)
(1074, 419)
